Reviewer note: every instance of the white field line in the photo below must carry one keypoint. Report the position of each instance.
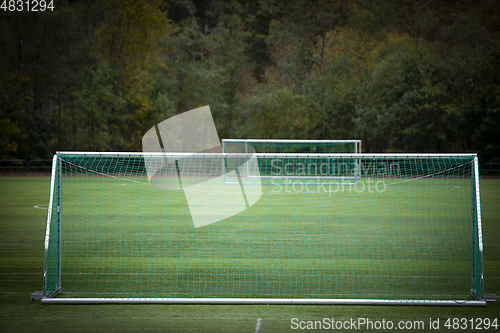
(14, 292)
(257, 328)
(11, 273)
(256, 274)
(273, 275)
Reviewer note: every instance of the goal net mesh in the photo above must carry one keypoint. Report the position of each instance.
(407, 229)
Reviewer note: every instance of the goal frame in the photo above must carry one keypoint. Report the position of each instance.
(55, 197)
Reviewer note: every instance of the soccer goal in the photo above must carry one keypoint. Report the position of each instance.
(309, 170)
(407, 232)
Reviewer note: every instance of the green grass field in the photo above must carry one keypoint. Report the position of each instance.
(21, 255)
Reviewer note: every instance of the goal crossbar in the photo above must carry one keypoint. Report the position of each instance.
(362, 155)
(262, 301)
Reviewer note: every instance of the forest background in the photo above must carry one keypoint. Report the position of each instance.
(401, 75)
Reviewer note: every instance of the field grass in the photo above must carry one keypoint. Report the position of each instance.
(22, 231)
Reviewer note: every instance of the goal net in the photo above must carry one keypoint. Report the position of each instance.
(407, 232)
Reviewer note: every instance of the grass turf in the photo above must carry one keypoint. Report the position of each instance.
(22, 230)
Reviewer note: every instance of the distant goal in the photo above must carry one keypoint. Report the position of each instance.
(312, 171)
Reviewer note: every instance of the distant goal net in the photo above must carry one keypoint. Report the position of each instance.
(407, 232)
(290, 171)
(291, 146)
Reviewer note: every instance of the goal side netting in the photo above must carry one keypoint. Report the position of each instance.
(167, 228)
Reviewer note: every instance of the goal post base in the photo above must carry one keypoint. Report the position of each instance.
(264, 301)
(37, 296)
(491, 298)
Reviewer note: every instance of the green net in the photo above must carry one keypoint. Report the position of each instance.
(407, 228)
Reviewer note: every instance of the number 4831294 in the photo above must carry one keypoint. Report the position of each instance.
(471, 324)
(28, 5)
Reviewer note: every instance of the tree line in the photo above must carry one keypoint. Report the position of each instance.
(401, 75)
